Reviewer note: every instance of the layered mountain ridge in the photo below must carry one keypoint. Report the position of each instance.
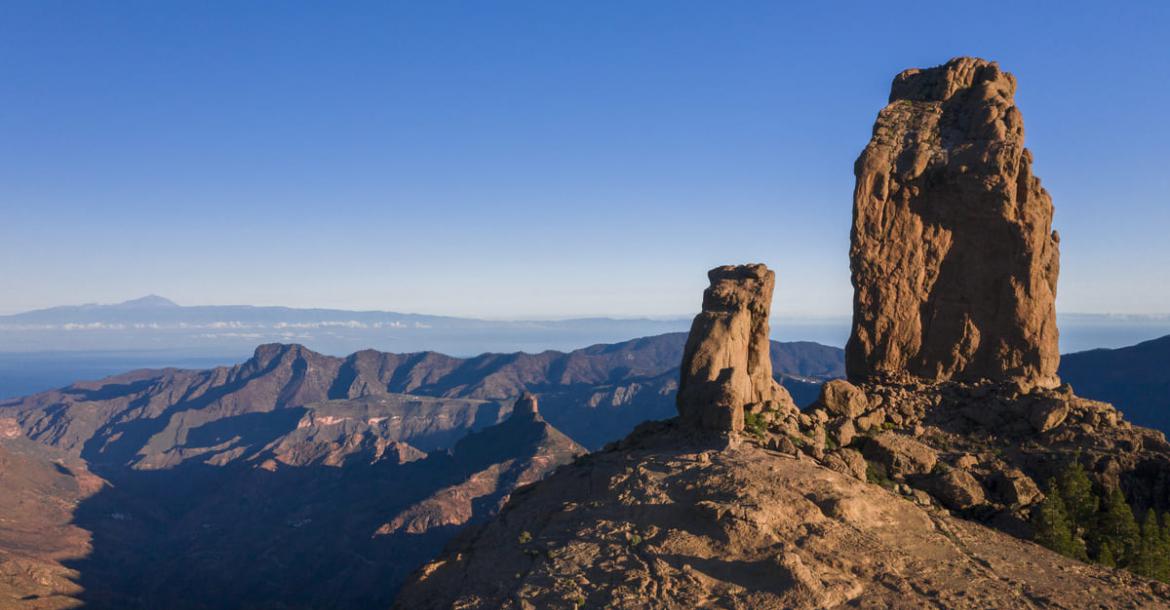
(157, 419)
(311, 461)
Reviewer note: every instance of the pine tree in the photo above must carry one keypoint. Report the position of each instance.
(1162, 557)
(1145, 560)
(1053, 528)
(1077, 492)
(1105, 557)
(1118, 530)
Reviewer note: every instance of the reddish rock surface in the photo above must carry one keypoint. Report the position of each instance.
(727, 366)
(953, 255)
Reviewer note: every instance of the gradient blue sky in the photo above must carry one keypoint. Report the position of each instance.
(519, 159)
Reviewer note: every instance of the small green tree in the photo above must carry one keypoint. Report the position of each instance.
(1105, 557)
(1145, 560)
(1077, 492)
(1162, 562)
(1118, 530)
(1053, 528)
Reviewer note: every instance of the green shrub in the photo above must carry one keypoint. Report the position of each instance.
(876, 474)
(754, 424)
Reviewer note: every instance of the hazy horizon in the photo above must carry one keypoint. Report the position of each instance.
(536, 317)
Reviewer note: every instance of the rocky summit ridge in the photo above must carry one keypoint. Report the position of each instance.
(837, 506)
(915, 483)
(660, 522)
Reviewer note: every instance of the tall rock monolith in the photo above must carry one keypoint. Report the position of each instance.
(954, 260)
(727, 366)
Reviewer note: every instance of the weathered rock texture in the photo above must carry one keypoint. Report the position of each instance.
(726, 366)
(655, 523)
(953, 255)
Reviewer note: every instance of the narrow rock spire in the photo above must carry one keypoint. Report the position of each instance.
(727, 365)
(526, 407)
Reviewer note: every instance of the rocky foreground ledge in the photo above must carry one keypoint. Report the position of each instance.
(659, 521)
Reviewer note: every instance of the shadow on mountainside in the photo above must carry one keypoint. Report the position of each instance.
(200, 536)
(247, 535)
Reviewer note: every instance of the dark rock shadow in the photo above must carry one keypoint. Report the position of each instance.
(207, 537)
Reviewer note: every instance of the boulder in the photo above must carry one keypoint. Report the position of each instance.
(727, 366)
(846, 461)
(955, 489)
(782, 444)
(872, 420)
(839, 397)
(843, 432)
(899, 454)
(1014, 488)
(953, 257)
(1047, 414)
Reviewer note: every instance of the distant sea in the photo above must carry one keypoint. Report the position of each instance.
(31, 372)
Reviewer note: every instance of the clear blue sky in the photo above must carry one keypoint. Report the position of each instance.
(516, 159)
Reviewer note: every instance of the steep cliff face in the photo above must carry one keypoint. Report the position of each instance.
(953, 256)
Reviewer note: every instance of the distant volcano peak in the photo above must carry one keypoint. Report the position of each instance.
(149, 301)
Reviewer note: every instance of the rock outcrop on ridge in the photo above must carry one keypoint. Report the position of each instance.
(661, 522)
(954, 344)
(519, 451)
(856, 502)
(954, 261)
(526, 407)
(727, 365)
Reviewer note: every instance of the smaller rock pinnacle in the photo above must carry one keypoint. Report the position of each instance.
(526, 407)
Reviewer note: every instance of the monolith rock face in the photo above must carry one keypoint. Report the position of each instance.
(954, 261)
(726, 366)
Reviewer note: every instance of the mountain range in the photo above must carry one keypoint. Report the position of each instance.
(293, 455)
(1135, 378)
(173, 480)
